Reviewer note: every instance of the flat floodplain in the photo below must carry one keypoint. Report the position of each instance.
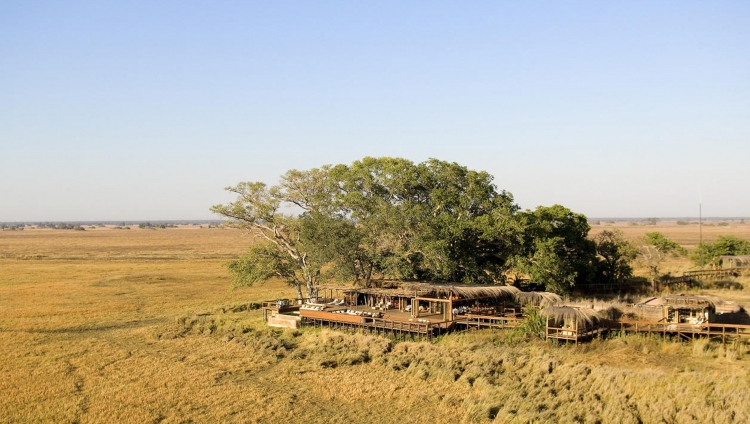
(138, 326)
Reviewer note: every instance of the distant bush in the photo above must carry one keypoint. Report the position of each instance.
(155, 226)
(683, 222)
(723, 224)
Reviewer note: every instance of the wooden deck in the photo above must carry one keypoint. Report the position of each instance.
(284, 306)
(400, 323)
(573, 335)
(474, 321)
(391, 322)
(685, 332)
(723, 332)
(714, 273)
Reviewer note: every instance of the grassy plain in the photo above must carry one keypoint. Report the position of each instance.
(139, 326)
(688, 237)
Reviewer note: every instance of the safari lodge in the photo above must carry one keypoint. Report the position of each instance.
(408, 308)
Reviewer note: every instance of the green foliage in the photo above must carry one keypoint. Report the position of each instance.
(615, 255)
(435, 220)
(665, 245)
(392, 218)
(261, 262)
(731, 245)
(653, 250)
(708, 254)
(555, 251)
(534, 325)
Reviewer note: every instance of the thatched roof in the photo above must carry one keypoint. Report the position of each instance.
(424, 289)
(682, 301)
(738, 260)
(560, 314)
(538, 298)
(465, 291)
(692, 302)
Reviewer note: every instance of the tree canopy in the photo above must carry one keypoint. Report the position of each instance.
(555, 251)
(392, 218)
(653, 249)
(709, 253)
(615, 256)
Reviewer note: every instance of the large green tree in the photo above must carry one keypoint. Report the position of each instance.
(556, 252)
(710, 253)
(283, 250)
(435, 220)
(615, 256)
(392, 218)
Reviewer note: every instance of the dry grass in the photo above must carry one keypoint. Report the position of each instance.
(139, 326)
(688, 236)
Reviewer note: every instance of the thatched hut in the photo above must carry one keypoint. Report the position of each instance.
(423, 298)
(570, 323)
(684, 309)
(538, 299)
(734, 261)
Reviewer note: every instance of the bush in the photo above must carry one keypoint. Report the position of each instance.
(534, 325)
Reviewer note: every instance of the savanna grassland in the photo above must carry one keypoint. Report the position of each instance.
(688, 237)
(139, 326)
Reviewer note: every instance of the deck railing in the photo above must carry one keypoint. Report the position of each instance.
(377, 325)
(487, 321)
(683, 330)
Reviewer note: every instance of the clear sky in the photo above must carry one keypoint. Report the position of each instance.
(146, 110)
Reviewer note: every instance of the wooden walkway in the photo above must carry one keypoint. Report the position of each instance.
(723, 332)
(573, 335)
(713, 273)
(685, 332)
(473, 321)
(402, 328)
(378, 326)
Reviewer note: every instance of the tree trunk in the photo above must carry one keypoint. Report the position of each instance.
(311, 288)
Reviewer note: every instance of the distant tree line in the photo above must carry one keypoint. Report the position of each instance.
(68, 224)
(157, 225)
(60, 226)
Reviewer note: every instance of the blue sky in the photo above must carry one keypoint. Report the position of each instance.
(146, 110)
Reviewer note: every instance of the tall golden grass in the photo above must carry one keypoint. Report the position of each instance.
(139, 326)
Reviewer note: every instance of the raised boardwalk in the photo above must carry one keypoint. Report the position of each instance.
(713, 273)
(686, 332)
(473, 321)
(723, 332)
(396, 325)
(377, 326)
